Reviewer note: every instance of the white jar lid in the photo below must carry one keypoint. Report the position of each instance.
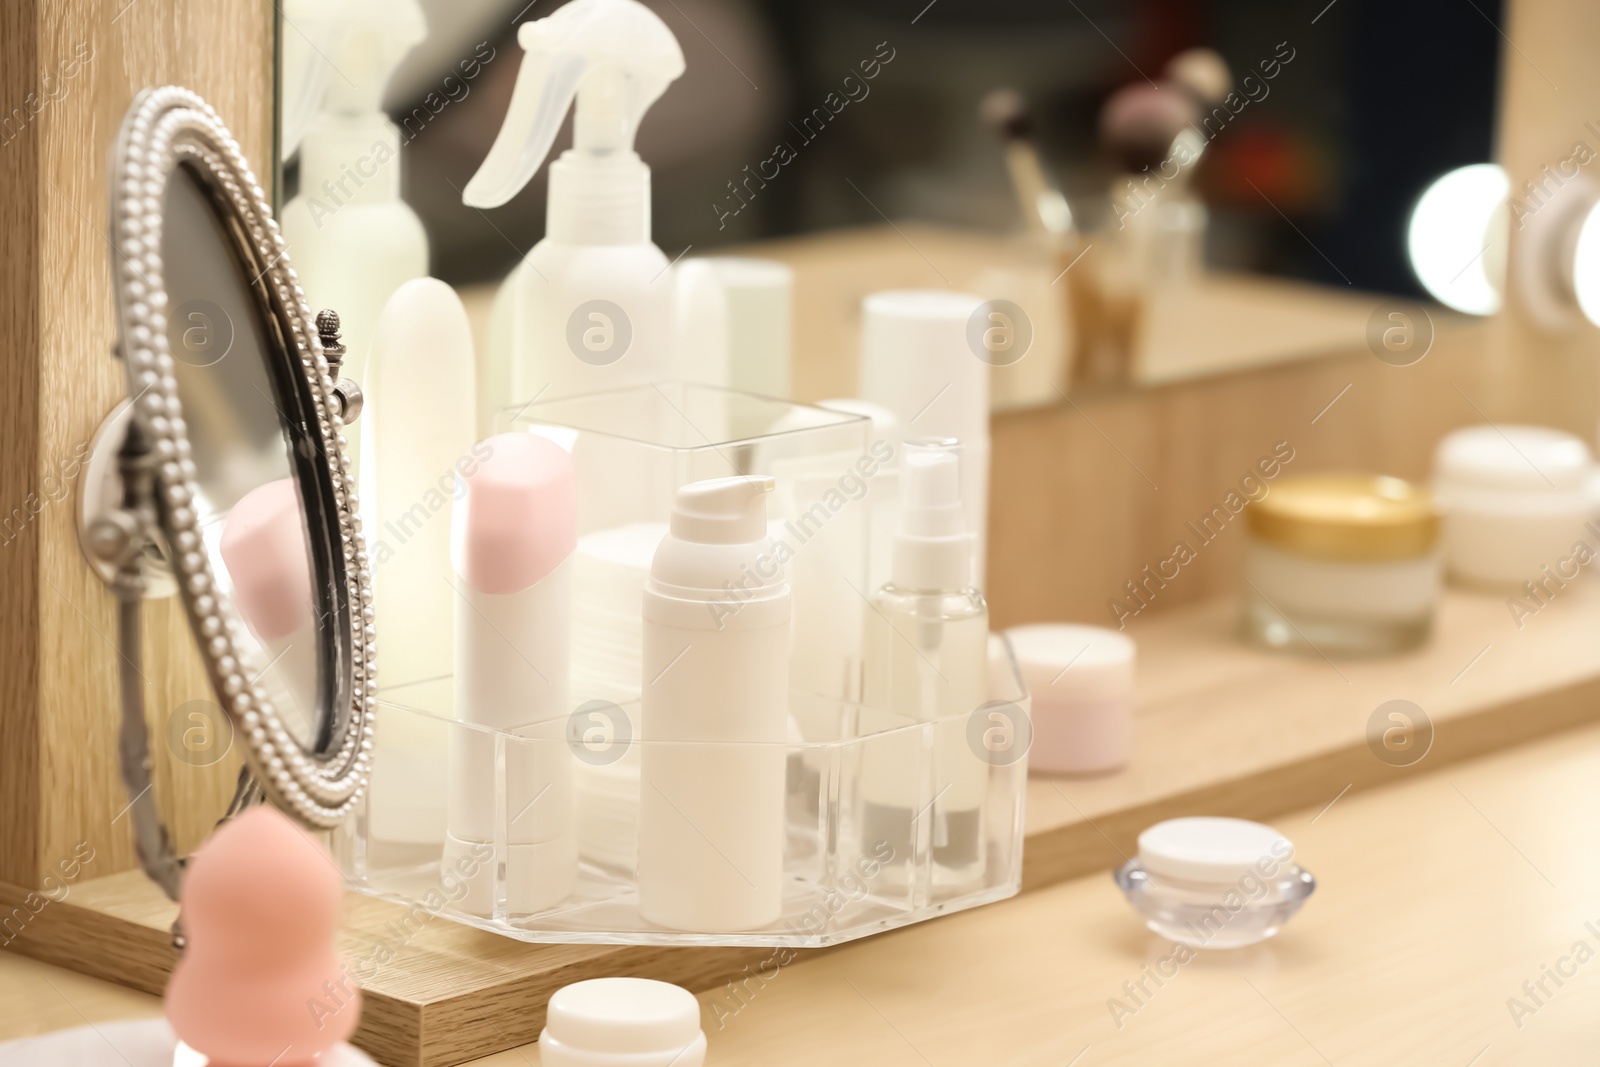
(1210, 849)
(1065, 663)
(623, 1015)
(1533, 459)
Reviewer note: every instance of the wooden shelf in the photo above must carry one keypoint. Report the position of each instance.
(1227, 729)
(1221, 728)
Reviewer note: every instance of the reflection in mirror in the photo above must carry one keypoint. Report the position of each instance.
(1243, 178)
(248, 506)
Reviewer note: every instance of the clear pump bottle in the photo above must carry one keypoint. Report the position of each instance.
(922, 789)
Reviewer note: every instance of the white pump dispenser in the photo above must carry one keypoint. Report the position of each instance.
(589, 308)
(353, 240)
(932, 546)
(714, 714)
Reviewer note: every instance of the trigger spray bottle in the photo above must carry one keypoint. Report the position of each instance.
(590, 307)
(927, 662)
(353, 240)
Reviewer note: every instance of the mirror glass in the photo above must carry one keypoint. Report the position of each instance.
(247, 442)
(868, 160)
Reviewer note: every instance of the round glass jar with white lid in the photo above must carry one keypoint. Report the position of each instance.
(1342, 564)
(1213, 882)
(1517, 500)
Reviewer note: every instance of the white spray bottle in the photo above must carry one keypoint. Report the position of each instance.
(353, 240)
(927, 661)
(590, 307)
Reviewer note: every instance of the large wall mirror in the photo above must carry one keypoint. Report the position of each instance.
(1239, 176)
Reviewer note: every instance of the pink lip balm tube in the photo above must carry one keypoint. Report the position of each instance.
(513, 530)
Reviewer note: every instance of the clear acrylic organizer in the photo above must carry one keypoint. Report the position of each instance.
(886, 820)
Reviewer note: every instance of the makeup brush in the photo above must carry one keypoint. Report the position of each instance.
(1042, 202)
(1202, 73)
(1139, 123)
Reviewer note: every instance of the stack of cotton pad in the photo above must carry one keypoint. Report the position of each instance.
(609, 572)
(608, 576)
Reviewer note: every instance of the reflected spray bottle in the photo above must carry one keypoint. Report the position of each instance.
(927, 662)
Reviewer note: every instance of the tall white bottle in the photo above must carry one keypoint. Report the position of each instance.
(927, 661)
(512, 534)
(924, 358)
(733, 324)
(714, 713)
(352, 239)
(418, 431)
(590, 307)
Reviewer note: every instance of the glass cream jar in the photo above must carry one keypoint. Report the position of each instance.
(1214, 883)
(1520, 505)
(1342, 564)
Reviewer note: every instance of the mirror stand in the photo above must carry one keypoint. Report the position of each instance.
(118, 540)
(122, 538)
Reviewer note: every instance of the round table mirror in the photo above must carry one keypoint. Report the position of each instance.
(230, 457)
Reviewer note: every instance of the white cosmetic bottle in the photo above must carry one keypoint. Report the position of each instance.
(418, 429)
(590, 308)
(923, 358)
(927, 661)
(714, 715)
(353, 239)
(512, 534)
(733, 324)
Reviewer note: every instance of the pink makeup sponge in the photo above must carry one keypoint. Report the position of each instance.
(265, 549)
(260, 982)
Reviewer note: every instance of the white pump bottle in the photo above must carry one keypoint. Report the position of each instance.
(352, 239)
(590, 307)
(714, 714)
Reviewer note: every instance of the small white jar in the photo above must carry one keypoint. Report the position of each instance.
(1081, 681)
(1516, 499)
(1342, 564)
(1214, 883)
(622, 1022)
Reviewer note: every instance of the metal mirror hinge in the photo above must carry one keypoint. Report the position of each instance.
(118, 536)
(348, 390)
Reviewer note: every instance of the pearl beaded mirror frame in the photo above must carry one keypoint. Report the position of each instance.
(237, 469)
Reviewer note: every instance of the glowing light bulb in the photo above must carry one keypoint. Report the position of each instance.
(1586, 266)
(1457, 239)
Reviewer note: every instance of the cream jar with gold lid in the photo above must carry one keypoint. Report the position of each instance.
(1342, 564)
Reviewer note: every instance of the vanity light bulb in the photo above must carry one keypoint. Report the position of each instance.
(1457, 237)
(1586, 266)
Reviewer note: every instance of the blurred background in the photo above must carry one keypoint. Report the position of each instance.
(1320, 165)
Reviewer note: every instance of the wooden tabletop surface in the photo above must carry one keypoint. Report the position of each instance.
(1438, 898)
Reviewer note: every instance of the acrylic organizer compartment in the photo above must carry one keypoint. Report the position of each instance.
(878, 829)
(850, 821)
